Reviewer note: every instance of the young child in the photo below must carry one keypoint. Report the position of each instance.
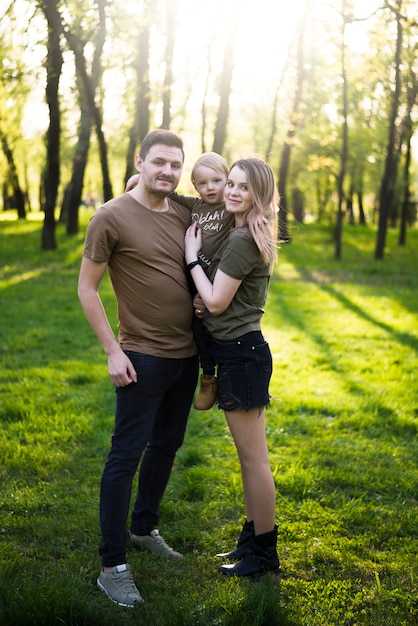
(209, 176)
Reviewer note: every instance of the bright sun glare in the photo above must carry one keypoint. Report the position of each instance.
(266, 30)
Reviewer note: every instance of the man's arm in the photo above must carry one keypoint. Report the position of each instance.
(120, 368)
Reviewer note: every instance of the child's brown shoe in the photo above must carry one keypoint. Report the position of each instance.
(208, 393)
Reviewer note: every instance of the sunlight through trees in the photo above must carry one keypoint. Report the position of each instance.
(327, 91)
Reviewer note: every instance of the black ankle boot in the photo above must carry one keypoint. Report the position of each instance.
(260, 558)
(247, 533)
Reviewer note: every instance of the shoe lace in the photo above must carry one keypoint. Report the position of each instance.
(160, 540)
(127, 583)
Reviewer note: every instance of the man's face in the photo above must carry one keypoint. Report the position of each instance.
(161, 169)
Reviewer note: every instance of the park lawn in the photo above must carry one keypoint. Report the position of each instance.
(342, 431)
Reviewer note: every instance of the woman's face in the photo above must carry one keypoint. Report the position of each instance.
(238, 199)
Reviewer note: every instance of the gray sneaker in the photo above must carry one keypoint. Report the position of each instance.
(155, 543)
(119, 586)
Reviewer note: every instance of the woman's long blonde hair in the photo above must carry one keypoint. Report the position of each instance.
(262, 217)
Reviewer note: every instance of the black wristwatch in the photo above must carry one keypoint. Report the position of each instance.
(192, 265)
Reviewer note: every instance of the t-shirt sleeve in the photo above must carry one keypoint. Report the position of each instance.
(189, 202)
(239, 257)
(101, 237)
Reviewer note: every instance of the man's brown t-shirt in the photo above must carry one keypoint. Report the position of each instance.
(145, 255)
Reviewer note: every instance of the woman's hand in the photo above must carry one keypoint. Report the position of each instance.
(192, 242)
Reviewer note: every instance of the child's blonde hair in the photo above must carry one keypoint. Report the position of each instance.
(213, 160)
(261, 218)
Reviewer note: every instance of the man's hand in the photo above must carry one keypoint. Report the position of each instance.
(121, 370)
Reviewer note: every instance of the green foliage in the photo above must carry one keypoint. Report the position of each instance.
(265, 81)
(342, 430)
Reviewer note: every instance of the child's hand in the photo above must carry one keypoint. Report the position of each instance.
(192, 242)
(132, 182)
(198, 305)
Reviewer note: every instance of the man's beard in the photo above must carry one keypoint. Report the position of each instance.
(159, 194)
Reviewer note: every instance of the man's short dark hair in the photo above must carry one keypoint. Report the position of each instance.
(162, 136)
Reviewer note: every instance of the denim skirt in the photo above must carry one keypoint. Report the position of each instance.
(244, 371)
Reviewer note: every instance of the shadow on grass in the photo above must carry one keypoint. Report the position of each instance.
(405, 338)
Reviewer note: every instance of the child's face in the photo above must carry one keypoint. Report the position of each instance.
(209, 184)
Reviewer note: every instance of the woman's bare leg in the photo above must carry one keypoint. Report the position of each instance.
(248, 431)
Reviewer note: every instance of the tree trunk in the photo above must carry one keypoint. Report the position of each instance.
(298, 202)
(140, 126)
(203, 108)
(273, 123)
(407, 134)
(350, 208)
(90, 87)
(344, 147)
(294, 124)
(168, 74)
(19, 198)
(387, 187)
(362, 216)
(74, 190)
(219, 137)
(52, 170)
(406, 190)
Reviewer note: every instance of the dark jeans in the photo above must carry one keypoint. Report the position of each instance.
(203, 342)
(151, 415)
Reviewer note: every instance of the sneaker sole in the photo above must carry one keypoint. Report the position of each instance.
(126, 606)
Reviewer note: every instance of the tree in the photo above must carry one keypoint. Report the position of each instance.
(387, 186)
(13, 177)
(203, 109)
(74, 190)
(345, 18)
(51, 173)
(407, 133)
(13, 93)
(294, 123)
(168, 74)
(141, 124)
(90, 83)
(226, 83)
(273, 122)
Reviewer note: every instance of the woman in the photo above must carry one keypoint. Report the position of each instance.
(234, 299)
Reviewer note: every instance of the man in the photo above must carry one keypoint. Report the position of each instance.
(139, 238)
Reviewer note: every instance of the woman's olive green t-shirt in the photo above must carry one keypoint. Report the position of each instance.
(240, 258)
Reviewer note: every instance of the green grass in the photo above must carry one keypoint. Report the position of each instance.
(342, 430)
